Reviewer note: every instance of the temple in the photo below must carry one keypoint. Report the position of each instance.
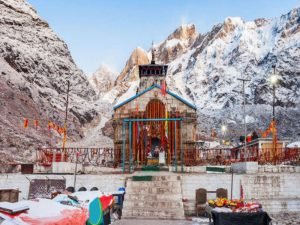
(155, 126)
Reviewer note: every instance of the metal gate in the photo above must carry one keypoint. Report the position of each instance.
(42, 188)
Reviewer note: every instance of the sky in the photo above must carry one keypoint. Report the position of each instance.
(107, 31)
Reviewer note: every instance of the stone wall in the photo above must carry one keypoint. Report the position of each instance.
(105, 183)
(276, 191)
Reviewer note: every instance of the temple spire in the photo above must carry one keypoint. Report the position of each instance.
(153, 54)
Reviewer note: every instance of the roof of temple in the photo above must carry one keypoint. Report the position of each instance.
(150, 88)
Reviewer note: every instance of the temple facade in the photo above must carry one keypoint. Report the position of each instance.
(155, 126)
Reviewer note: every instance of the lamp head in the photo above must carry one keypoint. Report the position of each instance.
(274, 79)
(223, 128)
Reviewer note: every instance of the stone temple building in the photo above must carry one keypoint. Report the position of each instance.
(155, 122)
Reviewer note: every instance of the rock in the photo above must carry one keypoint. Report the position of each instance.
(108, 130)
(39, 64)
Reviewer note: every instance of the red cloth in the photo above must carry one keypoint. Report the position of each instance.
(25, 123)
(249, 138)
(106, 201)
(69, 217)
(163, 88)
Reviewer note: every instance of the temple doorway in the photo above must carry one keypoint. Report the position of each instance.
(156, 146)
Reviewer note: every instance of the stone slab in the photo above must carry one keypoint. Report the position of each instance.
(66, 167)
(245, 167)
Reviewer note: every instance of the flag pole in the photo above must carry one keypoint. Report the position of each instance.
(66, 118)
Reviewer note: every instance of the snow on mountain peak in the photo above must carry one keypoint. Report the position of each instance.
(184, 32)
(234, 20)
(21, 6)
(104, 68)
(103, 79)
(130, 72)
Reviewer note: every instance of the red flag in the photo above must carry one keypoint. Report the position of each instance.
(241, 191)
(25, 122)
(61, 131)
(163, 88)
(36, 124)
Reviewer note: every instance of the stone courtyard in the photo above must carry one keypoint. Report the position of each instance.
(160, 222)
(277, 219)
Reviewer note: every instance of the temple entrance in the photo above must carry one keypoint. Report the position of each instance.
(147, 147)
(156, 147)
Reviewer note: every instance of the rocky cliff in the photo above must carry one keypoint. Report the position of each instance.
(35, 65)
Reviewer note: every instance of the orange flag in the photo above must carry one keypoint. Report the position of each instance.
(25, 122)
(50, 124)
(61, 130)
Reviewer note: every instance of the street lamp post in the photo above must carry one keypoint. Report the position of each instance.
(224, 129)
(244, 109)
(274, 81)
(65, 125)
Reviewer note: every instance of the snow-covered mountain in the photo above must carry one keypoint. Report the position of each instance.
(103, 79)
(204, 68)
(35, 65)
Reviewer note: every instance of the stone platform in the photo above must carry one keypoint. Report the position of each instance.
(160, 198)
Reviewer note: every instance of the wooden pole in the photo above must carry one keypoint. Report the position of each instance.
(66, 119)
(231, 182)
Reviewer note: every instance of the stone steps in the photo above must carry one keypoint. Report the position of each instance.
(152, 213)
(166, 178)
(153, 190)
(163, 184)
(153, 197)
(153, 204)
(160, 198)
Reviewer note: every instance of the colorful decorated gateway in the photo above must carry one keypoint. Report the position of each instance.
(156, 126)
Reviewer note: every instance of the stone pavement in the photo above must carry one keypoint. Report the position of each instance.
(286, 219)
(156, 222)
(198, 221)
(277, 219)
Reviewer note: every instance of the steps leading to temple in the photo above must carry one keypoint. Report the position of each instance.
(160, 198)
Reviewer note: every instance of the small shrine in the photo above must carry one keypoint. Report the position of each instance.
(155, 126)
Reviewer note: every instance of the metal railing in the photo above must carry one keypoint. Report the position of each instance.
(108, 157)
(197, 157)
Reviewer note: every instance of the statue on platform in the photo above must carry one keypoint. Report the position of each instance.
(156, 152)
(162, 156)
